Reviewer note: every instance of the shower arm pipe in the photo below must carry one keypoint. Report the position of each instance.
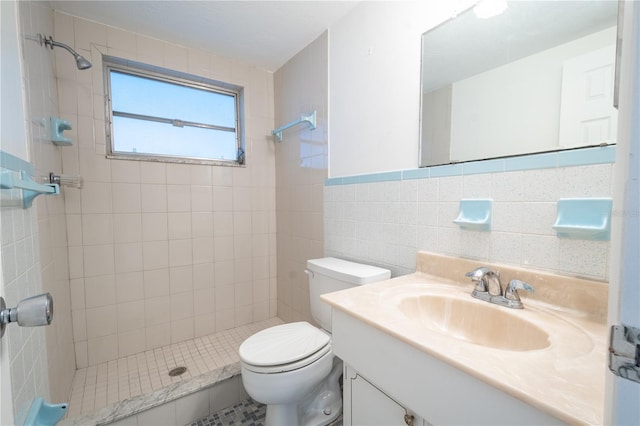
(49, 42)
(311, 119)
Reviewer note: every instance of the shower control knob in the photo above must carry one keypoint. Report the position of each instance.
(31, 312)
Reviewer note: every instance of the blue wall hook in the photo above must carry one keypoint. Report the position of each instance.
(42, 413)
(58, 126)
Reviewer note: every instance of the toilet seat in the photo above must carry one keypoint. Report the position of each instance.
(284, 348)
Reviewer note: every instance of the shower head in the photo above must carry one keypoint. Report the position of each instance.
(81, 62)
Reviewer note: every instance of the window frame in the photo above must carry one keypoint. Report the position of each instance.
(138, 69)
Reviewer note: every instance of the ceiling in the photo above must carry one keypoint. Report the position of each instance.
(263, 33)
(467, 45)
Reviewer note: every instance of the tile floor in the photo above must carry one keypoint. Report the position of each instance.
(247, 412)
(104, 384)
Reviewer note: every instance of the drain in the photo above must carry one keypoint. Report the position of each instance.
(178, 371)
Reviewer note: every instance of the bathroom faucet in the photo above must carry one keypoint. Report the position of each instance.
(478, 277)
(488, 288)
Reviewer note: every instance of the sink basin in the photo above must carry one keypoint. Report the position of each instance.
(476, 322)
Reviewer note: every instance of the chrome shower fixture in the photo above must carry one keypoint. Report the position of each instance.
(81, 62)
(31, 312)
(70, 181)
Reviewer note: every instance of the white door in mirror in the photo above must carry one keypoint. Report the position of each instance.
(587, 115)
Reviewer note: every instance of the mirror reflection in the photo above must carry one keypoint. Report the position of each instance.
(537, 77)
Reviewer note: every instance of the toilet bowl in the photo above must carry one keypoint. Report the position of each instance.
(291, 367)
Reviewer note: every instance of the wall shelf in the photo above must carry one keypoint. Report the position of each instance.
(474, 215)
(584, 219)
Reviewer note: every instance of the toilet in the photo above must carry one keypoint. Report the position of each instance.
(291, 367)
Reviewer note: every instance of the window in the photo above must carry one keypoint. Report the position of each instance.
(163, 115)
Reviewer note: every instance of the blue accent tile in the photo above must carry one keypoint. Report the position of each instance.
(422, 173)
(529, 162)
(389, 176)
(348, 180)
(447, 170)
(486, 166)
(577, 157)
(581, 157)
(374, 177)
(333, 181)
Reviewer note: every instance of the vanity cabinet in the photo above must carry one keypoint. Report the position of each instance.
(367, 405)
(393, 377)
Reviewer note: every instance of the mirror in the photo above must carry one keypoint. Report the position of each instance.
(538, 77)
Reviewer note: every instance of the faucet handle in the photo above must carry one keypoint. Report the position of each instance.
(478, 276)
(511, 292)
(478, 273)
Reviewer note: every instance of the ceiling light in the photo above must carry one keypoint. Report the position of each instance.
(486, 9)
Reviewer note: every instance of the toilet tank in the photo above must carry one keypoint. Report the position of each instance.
(329, 274)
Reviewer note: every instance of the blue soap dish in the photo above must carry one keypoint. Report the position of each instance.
(474, 215)
(584, 219)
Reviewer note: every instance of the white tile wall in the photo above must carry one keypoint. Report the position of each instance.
(163, 245)
(385, 223)
(39, 234)
(21, 278)
(300, 175)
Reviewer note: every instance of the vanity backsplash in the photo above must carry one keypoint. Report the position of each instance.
(580, 296)
(386, 218)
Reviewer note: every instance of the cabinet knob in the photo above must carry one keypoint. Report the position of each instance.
(408, 419)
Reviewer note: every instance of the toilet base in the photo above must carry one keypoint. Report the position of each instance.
(321, 407)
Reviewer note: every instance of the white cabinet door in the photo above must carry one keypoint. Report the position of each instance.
(367, 405)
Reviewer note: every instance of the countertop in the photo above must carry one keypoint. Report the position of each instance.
(565, 379)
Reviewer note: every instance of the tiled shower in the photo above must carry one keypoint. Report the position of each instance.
(162, 252)
(147, 255)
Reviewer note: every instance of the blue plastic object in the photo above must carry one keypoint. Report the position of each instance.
(30, 189)
(58, 126)
(16, 173)
(584, 218)
(42, 413)
(474, 215)
(311, 119)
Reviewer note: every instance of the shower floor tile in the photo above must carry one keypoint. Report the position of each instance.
(108, 383)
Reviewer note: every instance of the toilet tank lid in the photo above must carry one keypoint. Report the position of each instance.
(344, 270)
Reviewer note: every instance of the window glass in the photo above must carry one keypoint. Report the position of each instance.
(159, 114)
(152, 138)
